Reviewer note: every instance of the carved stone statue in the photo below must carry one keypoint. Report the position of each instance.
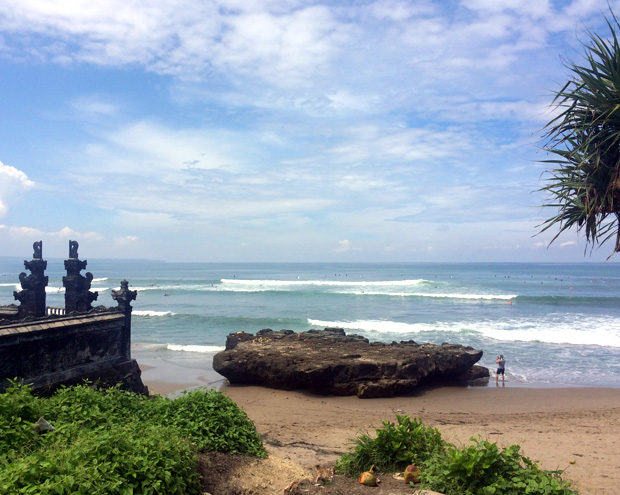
(78, 297)
(38, 250)
(32, 295)
(124, 296)
(73, 249)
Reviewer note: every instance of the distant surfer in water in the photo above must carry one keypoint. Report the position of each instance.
(501, 365)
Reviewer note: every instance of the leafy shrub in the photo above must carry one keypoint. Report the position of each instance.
(480, 469)
(209, 419)
(214, 423)
(484, 469)
(119, 460)
(393, 448)
(78, 407)
(115, 442)
(18, 412)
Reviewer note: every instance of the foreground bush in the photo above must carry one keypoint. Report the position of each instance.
(394, 447)
(485, 469)
(115, 442)
(119, 460)
(480, 469)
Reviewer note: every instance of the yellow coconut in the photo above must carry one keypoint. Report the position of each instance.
(412, 474)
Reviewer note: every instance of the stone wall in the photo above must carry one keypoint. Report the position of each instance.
(66, 350)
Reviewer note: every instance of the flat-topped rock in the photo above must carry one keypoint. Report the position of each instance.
(330, 362)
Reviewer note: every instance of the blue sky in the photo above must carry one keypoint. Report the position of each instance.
(283, 130)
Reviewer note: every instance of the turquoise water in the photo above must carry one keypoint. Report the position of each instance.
(556, 324)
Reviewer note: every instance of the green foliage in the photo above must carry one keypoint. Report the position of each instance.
(207, 418)
(584, 137)
(74, 408)
(213, 422)
(119, 460)
(18, 412)
(480, 469)
(394, 447)
(115, 442)
(484, 469)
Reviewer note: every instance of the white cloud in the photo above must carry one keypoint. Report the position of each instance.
(148, 219)
(14, 176)
(151, 150)
(279, 43)
(284, 50)
(343, 246)
(330, 118)
(24, 232)
(567, 244)
(69, 233)
(129, 240)
(19, 239)
(372, 143)
(94, 106)
(290, 55)
(12, 183)
(396, 10)
(531, 8)
(64, 233)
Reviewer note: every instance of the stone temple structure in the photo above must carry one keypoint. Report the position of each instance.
(48, 347)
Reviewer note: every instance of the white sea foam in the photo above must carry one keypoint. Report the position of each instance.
(152, 313)
(395, 288)
(172, 287)
(504, 297)
(578, 330)
(195, 348)
(149, 346)
(328, 283)
(62, 290)
(54, 290)
(554, 329)
(97, 280)
(13, 284)
(374, 326)
(205, 349)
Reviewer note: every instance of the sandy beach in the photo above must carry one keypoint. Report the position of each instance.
(552, 425)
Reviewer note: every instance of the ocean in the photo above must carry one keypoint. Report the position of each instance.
(556, 324)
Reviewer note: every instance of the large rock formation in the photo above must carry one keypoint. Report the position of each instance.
(329, 362)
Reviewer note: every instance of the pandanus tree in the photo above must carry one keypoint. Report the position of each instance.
(584, 142)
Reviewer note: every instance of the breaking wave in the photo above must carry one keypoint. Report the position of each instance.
(152, 313)
(554, 329)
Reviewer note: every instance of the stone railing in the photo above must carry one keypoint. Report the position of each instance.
(54, 311)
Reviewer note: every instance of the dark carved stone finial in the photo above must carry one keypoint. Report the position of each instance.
(38, 250)
(124, 296)
(32, 295)
(73, 249)
(78, 297)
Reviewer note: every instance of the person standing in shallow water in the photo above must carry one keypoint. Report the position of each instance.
(501, 364)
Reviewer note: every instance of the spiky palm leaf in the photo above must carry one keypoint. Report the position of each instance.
(585, 139)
